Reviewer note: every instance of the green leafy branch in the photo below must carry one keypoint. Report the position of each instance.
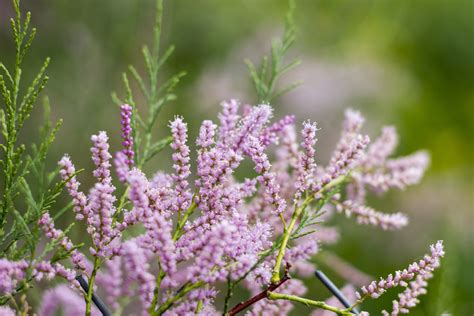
(266, 77)
(16, 108)
(265, 80)
(27, 189)
(156, 94)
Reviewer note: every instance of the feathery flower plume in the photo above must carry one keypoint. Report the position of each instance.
(45, 269)
(251, 125)
(158, 239)
(351, 127)
(121, 166)
(287, 153)
(266, 178)
(124, 159)
(161, 180)
(210, 260)
(127, 139)
(228, 120)
(343, 161)
(101, 157)
(11, 273)
(101, 198)
(270, 135)
(135, 262)
(181, 164)
(300, 254)
(355, 190)
(381, 148)
(407, 170)
(206, 134)
(47, 224)
(409, 297)
(423, 267)
(138, 186)
(424, 271)
(306, 164)
(368, 216)
(79, 199)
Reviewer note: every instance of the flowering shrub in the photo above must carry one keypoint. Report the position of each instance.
(168, 241)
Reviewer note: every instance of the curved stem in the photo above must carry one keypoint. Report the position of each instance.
(12, 299)
(156, 291)
(198, 307)
(119, 209)
(182, 221)
(357, 303)
(228, 295)
(260, 296)
(91, 286)
(288, 230)
(286, 237)
(307, 302)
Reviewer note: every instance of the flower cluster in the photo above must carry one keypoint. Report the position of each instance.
(97, 208)
(126, 113)
(77, 258)
(416, 274)
(12, 273)
(168, 240)
(252, 210)
(124, 159)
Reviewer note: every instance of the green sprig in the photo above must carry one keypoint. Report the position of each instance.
(265, 78)
(28, 189)
(156, 94)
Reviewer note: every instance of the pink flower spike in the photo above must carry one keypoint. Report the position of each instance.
(181, 164)
(306, 163)
(417, 275)
(266, 178)
(79, 199)
(101, 156)
(127, 139)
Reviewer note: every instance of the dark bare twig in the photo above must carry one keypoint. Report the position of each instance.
(260, 296)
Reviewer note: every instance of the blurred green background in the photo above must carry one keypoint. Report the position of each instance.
(406, 63)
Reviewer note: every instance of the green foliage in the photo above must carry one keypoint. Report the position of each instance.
(28, 189)
(156, 94)
(311, 215)
(271, 69)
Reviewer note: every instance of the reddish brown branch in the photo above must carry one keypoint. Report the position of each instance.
(260, 296)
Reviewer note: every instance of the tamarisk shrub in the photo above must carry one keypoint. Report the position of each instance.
(171, 242)
(218, 229)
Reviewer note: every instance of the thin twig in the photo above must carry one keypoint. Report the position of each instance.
(243, 305)
(228, 295)
(308, 302)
